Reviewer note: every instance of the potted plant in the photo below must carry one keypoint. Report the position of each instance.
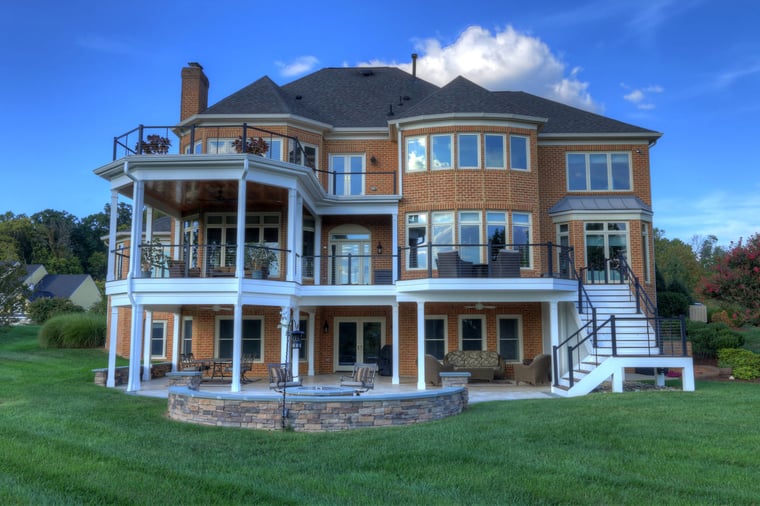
(153, 257)
(251, 146)
(260, 259)
(154, 145)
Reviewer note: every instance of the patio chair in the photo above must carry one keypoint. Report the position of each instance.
(362, 379)
(433, 370)
(188, 362)
(451, 266)
(507, 264)
(534, 373)
(246, 366)
(281, 377)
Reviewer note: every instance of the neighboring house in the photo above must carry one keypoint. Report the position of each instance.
(80, 289)
(394, 212)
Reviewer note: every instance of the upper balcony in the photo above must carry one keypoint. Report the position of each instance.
(351, 176)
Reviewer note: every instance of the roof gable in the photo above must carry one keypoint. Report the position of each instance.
(58, 285)
(260, 97)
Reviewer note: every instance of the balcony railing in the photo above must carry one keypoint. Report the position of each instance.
(228, 139)
(449, 261)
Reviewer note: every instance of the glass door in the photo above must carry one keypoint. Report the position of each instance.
(604, 241)
(358, 341)
(351, 259)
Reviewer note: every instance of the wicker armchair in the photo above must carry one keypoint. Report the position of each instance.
(534, 373)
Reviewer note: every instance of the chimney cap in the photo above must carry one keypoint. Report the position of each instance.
(195, 64)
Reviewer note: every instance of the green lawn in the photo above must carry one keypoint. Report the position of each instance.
(66, 441)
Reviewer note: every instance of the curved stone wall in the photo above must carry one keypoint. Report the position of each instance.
(314, 414)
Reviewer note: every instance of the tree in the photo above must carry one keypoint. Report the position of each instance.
(676, 262)
(736, 279)
(707, 250)
(13, 291)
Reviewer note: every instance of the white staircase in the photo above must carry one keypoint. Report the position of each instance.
(635, 345)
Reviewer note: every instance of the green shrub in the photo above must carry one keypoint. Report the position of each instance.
(708, 338)
(73, 330)
(672, 304)
(41, 310)
(745, 364)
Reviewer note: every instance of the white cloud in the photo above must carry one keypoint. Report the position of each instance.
(504, 60)
(641, 96)
(300, 65)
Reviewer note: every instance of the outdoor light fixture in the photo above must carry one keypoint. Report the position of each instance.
(325, 327)
(373, 160)
(379, 248)
(297, 339)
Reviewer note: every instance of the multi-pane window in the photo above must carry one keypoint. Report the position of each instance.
(435, 336)
(219, 146)
(347, 173)
(252, 337)
(469, 233)
(158, 339)
(509, 338)
(187, 334)
(472, 332)
(496, 230)
(468, 149)
(416, 235)
(441, 148)
(306, 156)
(442, 231)
(645, 252)
(521, 237)
(274, 149)
(303, 354)
(495, 151)
(416, 153)
(221, 237)
(518, 152)
(598, 172)
(309, 241)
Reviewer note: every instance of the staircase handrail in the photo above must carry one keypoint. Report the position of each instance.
(642, 298)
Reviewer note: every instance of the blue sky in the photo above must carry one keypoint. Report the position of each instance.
(75, 74)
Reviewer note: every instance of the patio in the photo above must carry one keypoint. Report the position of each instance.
(477, 392)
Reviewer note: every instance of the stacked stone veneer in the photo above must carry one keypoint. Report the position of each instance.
(121, 373)
(307, 414)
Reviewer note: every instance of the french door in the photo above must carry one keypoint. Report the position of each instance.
(605, 241)
(357, 341)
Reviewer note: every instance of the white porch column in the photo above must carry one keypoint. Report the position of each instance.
(318, 252)
(294, 227)
(177, 319)
(112, 226)
(296, 353)
(237, 345)
(394, 245)
(112, 343)
(147, 345)
(395, 378)
(137, 230)
(311, 333)
(284, 321)
(420, 345)
(553, 324)
(135, 347)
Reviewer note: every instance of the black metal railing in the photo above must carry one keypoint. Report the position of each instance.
(242, 138)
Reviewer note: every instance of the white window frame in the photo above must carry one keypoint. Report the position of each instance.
(433, 161)
(444, 339)
(477, 150)
(301, 160)
(422, 222)
(217, 337)
(519, 223)
(164, 325)
(483, 329)
(348, 175)
(470, 218)
(518, 319)
(503, 138)
(420, 165)
(527, 153)
(610, 179)
(183, 336)
(221, 146)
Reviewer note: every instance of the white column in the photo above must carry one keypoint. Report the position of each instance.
(147, 344)
(319, 253)
(137, 229)
(293, 228)
(176, 336)
(284, 321)
(553, 324)
(135, 347)
(112, 227)
(395, 378)
(394, 245)
(296, 352)
(311, 337)
(237, 345)
(420, 345)
(112, 343)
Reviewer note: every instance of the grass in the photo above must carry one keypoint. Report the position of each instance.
(66, 441)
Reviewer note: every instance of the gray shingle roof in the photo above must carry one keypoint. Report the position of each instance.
(363, 98)
(601, 203)
(58, 285)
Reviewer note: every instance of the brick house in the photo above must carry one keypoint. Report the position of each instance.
(398, 218)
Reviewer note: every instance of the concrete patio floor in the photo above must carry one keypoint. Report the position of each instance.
(478, 391)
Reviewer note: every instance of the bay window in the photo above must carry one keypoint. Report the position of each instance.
(441, 151)
(518, 152)
(416, 153)
(468, 148)
(494, 151)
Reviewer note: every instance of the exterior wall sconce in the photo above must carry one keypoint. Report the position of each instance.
(325, 328)
(373, 160)
(379, 248)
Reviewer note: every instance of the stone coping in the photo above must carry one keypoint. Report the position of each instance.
(269, 396)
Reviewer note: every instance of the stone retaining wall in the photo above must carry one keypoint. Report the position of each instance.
(309, 414)
(121, 373)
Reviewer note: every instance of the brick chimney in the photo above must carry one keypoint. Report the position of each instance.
(194, 91)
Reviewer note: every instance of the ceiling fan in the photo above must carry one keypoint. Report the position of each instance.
(480, 306)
